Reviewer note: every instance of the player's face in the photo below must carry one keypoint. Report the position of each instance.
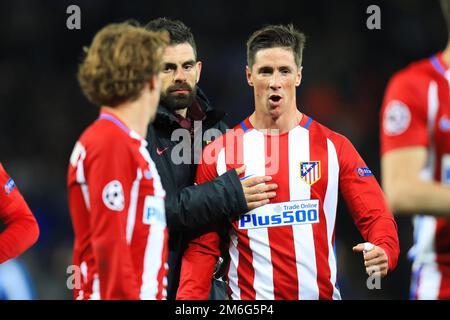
(180, 74)
(274, 77)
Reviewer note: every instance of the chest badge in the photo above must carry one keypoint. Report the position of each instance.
(310, 172)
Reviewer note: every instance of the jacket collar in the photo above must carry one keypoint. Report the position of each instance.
(165, 117)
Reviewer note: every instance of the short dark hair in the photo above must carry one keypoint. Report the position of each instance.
(445, 7)
(273, 36)
(178, 31)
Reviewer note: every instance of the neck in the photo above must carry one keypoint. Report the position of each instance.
(134, 115)
(446, 54)
(182, 112)
(284, 123)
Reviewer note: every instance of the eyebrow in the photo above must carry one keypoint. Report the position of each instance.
(189, 62)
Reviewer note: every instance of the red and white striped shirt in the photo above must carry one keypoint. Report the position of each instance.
(285, 249)
(117, 207)
(416, 112)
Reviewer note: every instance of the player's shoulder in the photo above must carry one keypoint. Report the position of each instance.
(415, 74)
(105, 136)
(320, 131)
(221, 141)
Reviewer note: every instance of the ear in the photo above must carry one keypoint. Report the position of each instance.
(298, 79)
(153, 83)
(198, 67)
(248, 73)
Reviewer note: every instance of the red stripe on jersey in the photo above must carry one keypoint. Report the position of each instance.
(441, 245)
(281, 239)
(318, 150)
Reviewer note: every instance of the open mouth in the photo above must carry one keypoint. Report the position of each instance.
(275, 100)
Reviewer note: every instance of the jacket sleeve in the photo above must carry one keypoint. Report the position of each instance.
(367, 204)
(22, 230)
(110, 180)
(206, 203)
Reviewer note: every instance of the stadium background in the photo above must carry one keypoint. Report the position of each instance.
(346, 68)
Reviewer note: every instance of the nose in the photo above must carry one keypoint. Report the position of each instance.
(179, 76)
(275, 81)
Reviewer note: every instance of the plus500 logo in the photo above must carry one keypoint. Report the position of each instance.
(263, 219)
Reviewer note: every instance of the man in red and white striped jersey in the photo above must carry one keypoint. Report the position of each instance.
(115, 195)
(285, 249)
(415, 149)
(22, 230)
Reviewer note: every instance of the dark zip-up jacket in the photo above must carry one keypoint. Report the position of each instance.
(190, 207)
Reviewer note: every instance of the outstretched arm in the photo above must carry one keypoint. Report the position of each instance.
(225, 197)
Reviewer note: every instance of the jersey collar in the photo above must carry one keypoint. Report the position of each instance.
(305, 122)
(106, 115)
(439, 64)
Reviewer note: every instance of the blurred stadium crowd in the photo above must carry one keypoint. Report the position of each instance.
(346, 67)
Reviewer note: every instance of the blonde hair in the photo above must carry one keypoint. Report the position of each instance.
(122, 58)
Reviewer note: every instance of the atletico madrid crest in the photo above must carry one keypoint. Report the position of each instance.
(310, 172)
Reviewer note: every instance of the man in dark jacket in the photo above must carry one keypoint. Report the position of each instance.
(184, 123)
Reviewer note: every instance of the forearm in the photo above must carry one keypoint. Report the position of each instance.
(383, 233)
(206, 203)
(415, 196)
(20, 234)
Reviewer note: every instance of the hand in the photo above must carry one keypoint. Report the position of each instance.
(256, 192)
(375, 259)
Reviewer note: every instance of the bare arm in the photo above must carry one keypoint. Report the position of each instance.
(406, 192)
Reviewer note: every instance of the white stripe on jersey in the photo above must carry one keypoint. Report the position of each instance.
(221, 166)
(255, 159)
(131, 218)
(95, 295)
(303, 234)
(152, 262)
(429, 282)
(424, 234)
(423, 251)
(433, 106)
(81, 179)
(155, 241)
(329, 208)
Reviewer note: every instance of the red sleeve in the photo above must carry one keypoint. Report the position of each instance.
(404, 112)
(110, 175)
(366, 202)
(201, 255)
(22, 230)
(197, 267)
